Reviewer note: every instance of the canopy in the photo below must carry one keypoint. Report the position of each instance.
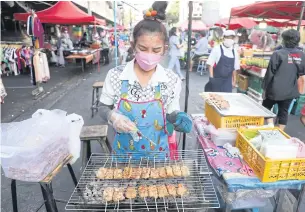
(196, 25)
(271, 9)
(281, 22)
(236, 23)
(63, 12)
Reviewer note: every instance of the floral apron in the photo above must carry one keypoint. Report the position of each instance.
(150, 120)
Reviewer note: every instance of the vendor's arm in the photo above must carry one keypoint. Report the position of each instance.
(236, 67)
(271, 69)
(212, 60)
(181, 121)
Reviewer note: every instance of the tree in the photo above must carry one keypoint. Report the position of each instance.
(172, 14)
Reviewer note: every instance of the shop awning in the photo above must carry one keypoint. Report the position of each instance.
(281, 23)
(236, 23)
(63, 12)
(196, 25)
(272, 9)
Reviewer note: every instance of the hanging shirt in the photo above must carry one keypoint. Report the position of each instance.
(216, 54)
(170, 85)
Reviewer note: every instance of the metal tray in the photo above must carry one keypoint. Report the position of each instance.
(201, 195)
(242, 105)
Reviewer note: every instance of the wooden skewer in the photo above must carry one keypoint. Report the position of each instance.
(106, 206)
(156, 204)
(164, 204)
(176, 204)
(182, 204)
(146, 203)
(130, 204)
(118, 206)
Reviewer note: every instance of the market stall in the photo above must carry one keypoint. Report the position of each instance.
(251, 162)
(236, 23)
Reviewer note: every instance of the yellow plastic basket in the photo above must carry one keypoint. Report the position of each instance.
(230, 121)
(268, 170)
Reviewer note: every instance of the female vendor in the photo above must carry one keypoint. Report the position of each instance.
(141, 99)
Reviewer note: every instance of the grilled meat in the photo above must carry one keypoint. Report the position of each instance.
(172, 190)
(169, 171)
(185, 171)
(182, 190)
(118, 194)
(109, 174)
(101, 173)
(152, 191)
(131, 193)
(177, 171)
(136, 173)
(143, 191)
(162, 172)
(154, 173)
(162, 191)
(127, 172)
(118, 174)
(145, 173)
(108, 194)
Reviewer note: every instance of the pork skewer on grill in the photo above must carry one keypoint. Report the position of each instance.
(108, 194)
(146, 171)
(162, 192)
(172, 191)
(185, 171)
(143, 193)
(131, 193)
(162, 172)
(153, 193)
(182, 190)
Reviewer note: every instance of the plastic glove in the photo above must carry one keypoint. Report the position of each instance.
(120, 122)
(181, 121)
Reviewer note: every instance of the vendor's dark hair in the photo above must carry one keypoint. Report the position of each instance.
(203, 33)
(291, 38)
(152, 25)
(173, 31)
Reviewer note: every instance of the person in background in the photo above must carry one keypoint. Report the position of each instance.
(201, 48)
(286, 67)
(139, 98)
(122, 49)
(174, 52)
(83, 40)
(302, 118)
(223, 64)
(105, 48)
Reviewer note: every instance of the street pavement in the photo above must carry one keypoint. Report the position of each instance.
(69, 89)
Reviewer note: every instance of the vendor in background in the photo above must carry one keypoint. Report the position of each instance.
(83, 41)
(201, 48)
(105, 47)
(139, 98)
(174, 52)
(285, 70)
(223, 63)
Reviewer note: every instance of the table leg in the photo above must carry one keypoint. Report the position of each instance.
(72, 174)
(92, 105)
(97, 93)
(14, 195)
(47, 193)
(88, 150)
(83, 64)
(84, 155)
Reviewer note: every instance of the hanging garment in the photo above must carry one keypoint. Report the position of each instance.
(29, 26)
(38, 33)
(46, 70)
(60, 56)
(150, 120)
(222, 79)
(13, 62)
(2, 91)
(38, 66)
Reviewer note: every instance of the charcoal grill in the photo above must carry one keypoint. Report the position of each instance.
(87, 196)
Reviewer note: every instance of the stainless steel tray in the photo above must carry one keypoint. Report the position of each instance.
(242, 105)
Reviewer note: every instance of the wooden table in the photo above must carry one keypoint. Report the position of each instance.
(84, 58)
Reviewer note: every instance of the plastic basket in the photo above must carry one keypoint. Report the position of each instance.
(268, 170)
(230, 121)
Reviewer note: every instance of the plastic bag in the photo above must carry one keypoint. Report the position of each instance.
(33, 148)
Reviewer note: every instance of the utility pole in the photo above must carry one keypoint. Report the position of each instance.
(89, 8)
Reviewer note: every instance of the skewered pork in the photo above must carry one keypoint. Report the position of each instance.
(177, 171)
(101, 173)
(136, 173)
(118, 174)
(118, 194)
(152, 191)
(131, 193)
(154, 173)
(169, 171)
(185, 171)
(109, 174)
(162, 172)
(162, 191)
(143, 191)
(108, 194)
(172, 190)
(127, 172)
(182, 190)
(145, 173)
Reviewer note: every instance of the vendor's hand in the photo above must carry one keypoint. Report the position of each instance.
(121, 123)
(182, 121)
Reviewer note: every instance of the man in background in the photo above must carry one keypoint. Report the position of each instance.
(201, 48)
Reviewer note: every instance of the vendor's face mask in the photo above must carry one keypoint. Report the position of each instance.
(147, 61)
(228, 42)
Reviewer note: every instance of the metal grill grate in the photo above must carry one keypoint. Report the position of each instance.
(201, 193)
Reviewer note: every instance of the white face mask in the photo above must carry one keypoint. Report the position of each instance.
(228, 42)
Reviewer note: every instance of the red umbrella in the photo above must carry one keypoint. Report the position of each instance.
(197, 25)
(236, 23)
(270, 9)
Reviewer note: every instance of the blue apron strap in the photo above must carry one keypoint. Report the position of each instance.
(233, 53)
(157, 92)
(221, 50)
(124, 89)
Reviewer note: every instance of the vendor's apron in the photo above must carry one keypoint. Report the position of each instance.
(150, 120)
(222, 79)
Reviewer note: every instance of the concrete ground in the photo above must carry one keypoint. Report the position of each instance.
(70, 90)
